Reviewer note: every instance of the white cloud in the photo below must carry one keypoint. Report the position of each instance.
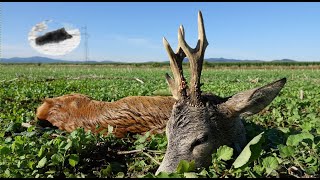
(40, 27)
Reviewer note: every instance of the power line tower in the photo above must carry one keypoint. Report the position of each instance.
(86, 36)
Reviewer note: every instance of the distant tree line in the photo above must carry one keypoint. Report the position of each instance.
(205, 64)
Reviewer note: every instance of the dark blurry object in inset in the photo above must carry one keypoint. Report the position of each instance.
(53, 37)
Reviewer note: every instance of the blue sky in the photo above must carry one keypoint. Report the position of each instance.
(132, 32)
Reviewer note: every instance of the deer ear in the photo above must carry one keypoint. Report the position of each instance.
(253, 101)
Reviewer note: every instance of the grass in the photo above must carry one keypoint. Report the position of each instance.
(289, 146)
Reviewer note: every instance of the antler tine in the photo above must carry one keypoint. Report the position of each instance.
(195, 57)
(178, 86)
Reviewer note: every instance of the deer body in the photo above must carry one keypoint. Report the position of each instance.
(200, 123)
(196, 123)
(135, 114)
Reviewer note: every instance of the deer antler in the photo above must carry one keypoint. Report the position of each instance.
(195, 57)
(178, 86)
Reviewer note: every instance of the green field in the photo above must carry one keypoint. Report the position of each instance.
(289, 146)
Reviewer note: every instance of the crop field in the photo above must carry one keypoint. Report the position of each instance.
(285, 135)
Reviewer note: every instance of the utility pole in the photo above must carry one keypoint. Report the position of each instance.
(86, 36)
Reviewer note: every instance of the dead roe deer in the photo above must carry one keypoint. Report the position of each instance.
(135, 114)
(199, 122)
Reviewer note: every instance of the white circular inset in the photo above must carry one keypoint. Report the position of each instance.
(58, 44)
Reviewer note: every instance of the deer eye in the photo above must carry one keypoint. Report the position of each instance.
(200, 140)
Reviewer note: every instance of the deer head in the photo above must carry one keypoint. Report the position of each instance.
(199, 122)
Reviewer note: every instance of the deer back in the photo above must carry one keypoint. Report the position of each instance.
(135, 114)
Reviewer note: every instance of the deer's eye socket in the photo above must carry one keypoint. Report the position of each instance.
(200, 140)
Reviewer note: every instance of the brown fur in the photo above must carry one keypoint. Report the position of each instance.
(135, 114)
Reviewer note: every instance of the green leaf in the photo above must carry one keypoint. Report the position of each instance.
(120, 175)
(203, 173)
(73, 160)
(163, 175)
(68, 145)
(5, 150)
(57, 158)
(8, 139)
(318, 130)
(107, 171)
(224, 152)
(175, 175)
(306, 126)
(31, 128)
(62, 144)
(50, 172)
(312, 169)
(311, 161)
(285, 151)
(190, 175)
(42, 162)
(284, 129)
(7, 172)
(2, 134)
(23, 157)
(143, 138)
(41, 151)
(30, 164)
(167, 175)
(19, 140)
(258, 169)
(148, 175)
(19, 164)
(74, 134)
(140, 146)
(185, 166)
(270, 163)
(250, 152)
(294, 140)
